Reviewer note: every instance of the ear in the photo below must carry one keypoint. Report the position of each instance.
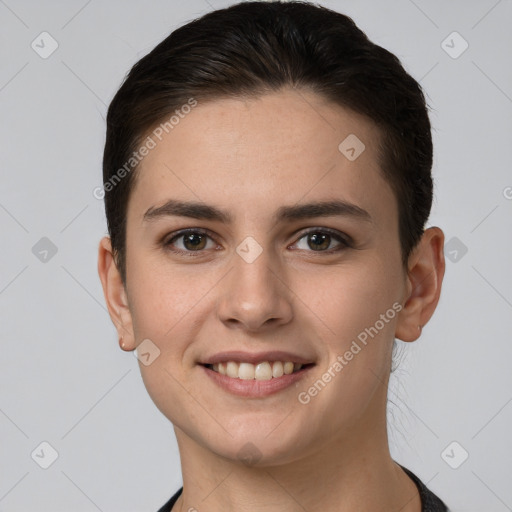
(425, 274)
(115, 295)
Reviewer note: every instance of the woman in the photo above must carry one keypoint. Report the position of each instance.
(267, 176)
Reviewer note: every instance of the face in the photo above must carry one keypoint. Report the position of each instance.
(262, 273)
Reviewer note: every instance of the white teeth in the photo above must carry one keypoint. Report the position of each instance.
(232, 369)
(288, 367)
(262, 371)
(246, 371)
(277, 369)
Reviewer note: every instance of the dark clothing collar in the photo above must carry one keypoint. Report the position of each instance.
(429, 501)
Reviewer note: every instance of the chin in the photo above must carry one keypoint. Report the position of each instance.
(254, 447)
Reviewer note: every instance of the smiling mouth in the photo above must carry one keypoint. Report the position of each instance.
(265, 370)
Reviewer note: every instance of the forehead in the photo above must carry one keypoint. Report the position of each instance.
(260, 153)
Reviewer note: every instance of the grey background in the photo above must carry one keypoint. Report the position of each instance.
(63, 378)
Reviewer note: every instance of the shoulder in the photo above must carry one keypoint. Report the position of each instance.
(167, 507)
(429, 501)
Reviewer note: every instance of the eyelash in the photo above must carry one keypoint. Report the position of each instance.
(343, 240)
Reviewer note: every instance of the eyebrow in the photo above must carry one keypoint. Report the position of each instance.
(202, 211)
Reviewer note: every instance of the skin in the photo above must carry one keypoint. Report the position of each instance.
(251, 157)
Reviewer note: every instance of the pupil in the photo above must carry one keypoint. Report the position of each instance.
(319, 238)
(189, 239)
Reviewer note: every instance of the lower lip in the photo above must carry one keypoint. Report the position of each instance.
(253, 387)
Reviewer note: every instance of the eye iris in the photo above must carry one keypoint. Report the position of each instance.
(195, 239)
(321, 238)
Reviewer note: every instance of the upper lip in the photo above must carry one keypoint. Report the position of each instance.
(255, 357)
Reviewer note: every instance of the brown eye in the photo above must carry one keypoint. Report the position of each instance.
(317, 241)
(321, 240)
(188, 242)
(194, 241)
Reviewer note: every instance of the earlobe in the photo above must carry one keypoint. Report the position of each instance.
(115, 295)
(424, 280)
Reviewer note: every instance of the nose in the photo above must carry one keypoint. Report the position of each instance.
(255, 296)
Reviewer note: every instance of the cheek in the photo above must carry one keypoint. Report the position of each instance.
(162, 298)
(164, 309)
(355, 312)
(349, 298)
(357, 305)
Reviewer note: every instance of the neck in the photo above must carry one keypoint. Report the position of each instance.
(351, 470)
